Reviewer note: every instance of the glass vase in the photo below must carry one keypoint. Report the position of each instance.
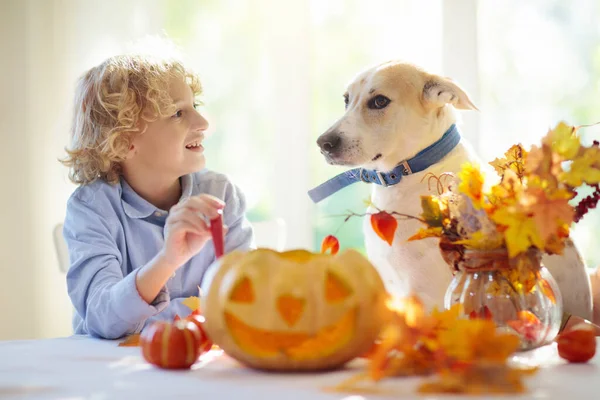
(519, 294)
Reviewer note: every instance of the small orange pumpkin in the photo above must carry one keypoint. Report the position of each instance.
(293, 310)
(173, 345)
(578, 344)
(198, 319)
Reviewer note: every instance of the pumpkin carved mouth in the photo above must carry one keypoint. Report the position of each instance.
(295, 345)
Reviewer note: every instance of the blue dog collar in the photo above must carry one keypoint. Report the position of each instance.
(423, 160)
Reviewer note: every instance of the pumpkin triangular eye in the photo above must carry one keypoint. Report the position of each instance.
(242, 292)
(335, 289)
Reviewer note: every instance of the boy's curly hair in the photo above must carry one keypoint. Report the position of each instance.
(112, 102)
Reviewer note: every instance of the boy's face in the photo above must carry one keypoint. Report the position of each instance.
(170, 146)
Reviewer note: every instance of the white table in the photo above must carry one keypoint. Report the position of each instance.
(79, 367)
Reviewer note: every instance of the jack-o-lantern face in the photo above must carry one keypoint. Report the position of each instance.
(293, 310)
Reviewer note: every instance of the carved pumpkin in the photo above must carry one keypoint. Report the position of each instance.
(173, 345)
(293, 310)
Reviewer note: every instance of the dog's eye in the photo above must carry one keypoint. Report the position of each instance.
(378, 102)
(346, 101)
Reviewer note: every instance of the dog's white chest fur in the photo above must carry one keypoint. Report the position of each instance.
(417, 266)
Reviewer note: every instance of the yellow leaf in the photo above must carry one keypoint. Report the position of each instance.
(477, 340)
(424, 233)
(513, 160)
(192, 302)
(584, 168)
(563, 141)
(545, 164)
(521, 231)
(471, 183)
(506, 192)
(433, 210)
(481, 241)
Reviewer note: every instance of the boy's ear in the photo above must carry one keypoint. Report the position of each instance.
(439, 91)
(131, 152)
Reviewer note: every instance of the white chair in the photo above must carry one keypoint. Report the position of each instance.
(60, 245)
(270, 234)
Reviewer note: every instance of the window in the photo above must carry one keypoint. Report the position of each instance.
(274, 73)
(539, 64)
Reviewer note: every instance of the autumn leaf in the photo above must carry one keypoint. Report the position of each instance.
(192, 302)
(548, 213)
(425, 233)
(543, 165)
(546, 289)
(584, 169)
(471, 184)
(446, 318)
(527, 325)
(554, 245)
(330, 243)
(131, 341)
(484, 313)
(513, 160)
(506, 192)
(433, 211)
(563, 140)
(521, 232)
(478, 340)
(384, 225)
(481, 241)
(480, 379)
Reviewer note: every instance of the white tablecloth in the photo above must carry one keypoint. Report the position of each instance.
(84, 368)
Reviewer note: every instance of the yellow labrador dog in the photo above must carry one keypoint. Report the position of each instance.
(399, 125)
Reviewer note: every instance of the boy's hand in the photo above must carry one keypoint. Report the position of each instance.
(186, 230)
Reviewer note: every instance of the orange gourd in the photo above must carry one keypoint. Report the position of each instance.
(171, 345)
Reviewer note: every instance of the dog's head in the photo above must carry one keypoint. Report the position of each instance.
(393, 111)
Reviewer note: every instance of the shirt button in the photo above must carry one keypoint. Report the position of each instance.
(159, 214)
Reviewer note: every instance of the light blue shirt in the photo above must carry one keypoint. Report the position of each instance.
(111, 232)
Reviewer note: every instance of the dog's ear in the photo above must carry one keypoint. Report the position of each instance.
(439, 91)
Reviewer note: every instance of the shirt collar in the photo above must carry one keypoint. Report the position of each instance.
(137, 207)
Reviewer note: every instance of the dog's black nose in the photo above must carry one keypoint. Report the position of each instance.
(329, 142)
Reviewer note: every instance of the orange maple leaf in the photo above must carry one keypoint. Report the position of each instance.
(527, 325)
(548, 213)
(484, 313)
(384, 225)
(544, 163)
(330, 243)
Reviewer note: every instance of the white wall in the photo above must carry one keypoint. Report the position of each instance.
(44, 47)
(18, 308)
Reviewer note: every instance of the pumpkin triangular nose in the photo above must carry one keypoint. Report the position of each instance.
(290, 308)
